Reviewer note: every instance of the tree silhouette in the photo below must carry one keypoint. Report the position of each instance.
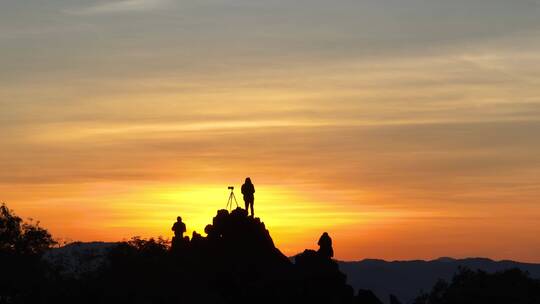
(479, 287)
(18, 237)
(22, 269)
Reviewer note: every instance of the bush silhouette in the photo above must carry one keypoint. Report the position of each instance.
(21, 246)
(479, 287)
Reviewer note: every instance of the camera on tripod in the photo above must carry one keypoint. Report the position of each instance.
(231, 199)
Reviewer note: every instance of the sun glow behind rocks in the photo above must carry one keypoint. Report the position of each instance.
(149, 209)
(289, 216)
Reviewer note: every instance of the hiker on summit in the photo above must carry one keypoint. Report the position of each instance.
(248, 190)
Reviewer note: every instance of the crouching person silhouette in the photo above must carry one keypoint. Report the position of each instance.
(248, 190)
(325, 246)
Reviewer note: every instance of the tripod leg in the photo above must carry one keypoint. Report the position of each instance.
(234, 196)
(230, 201)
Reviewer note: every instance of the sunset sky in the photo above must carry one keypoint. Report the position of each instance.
(407, 129)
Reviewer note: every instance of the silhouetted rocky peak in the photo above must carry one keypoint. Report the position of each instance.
(241, 250)
(235, 237)
(237, 229)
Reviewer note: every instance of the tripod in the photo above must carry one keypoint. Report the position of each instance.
(230, 200)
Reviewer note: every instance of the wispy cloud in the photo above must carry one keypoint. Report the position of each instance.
(120, 6)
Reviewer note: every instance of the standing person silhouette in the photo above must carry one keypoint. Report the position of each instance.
(179, 241)
(248, 190)
(179, 228)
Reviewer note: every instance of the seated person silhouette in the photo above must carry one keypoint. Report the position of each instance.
(179, 228)
(325, 246)
(248, 190)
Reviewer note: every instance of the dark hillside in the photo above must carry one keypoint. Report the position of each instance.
(406, 279)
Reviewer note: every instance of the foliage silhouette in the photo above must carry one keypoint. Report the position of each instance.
(22, 271)
(22, 238)
(479, 287)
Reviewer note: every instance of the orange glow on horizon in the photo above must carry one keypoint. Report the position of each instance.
(295, 218)
(149, 210)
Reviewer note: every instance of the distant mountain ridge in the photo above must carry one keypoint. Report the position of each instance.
(406, 279)
(78, 258)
